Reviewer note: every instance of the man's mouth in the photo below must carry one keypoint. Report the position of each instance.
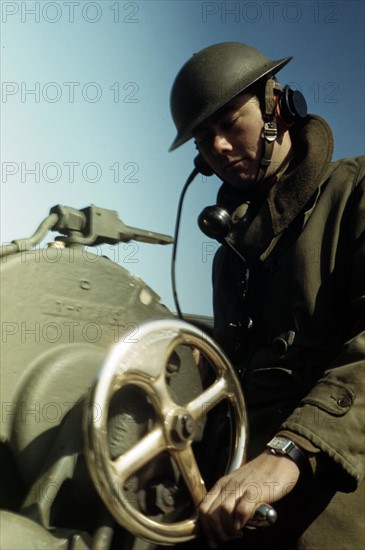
(232, 164)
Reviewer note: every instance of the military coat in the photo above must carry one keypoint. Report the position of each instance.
(295, 330)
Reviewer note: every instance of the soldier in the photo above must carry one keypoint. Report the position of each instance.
(289, 303)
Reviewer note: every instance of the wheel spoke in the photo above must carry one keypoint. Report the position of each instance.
(145, 450)
(206, 401)
(189, 468)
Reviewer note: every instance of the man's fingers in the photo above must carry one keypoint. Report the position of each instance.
(216, 519)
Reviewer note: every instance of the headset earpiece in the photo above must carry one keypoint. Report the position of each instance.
(202, 166)
(292, 105)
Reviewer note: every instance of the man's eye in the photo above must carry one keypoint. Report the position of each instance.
(228, 123)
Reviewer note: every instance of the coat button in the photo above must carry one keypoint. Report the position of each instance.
(280, 346)
(282, 342)
(344, 402)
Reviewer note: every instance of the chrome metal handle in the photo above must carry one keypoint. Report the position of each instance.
(264, 516)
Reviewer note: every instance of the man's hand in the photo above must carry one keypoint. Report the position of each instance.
(232, 501)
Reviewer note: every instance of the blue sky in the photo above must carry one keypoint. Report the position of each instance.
(85, 111)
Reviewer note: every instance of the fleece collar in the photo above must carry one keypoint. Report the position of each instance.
(255, 229)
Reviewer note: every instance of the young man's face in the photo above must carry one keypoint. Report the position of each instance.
(231, 141)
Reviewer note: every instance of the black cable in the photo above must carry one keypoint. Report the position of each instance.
(193, 174)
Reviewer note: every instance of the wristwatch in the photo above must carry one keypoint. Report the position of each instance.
(284, 446)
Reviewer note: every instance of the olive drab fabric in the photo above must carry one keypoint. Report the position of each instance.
(302, 363)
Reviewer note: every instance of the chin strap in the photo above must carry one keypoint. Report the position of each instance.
(270, 126)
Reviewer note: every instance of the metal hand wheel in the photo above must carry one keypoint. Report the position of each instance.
(142, 364)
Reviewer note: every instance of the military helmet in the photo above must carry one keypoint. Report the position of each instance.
(211, 78)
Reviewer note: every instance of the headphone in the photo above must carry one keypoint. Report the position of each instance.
(292, 105)
(214, 221)
(202, 166)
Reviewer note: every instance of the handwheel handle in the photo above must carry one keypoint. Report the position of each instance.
(264, 516)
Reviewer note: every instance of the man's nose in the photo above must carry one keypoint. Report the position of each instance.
(220, 145)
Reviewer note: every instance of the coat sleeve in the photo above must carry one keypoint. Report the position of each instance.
(332, 415)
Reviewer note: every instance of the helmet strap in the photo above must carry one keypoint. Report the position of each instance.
(270, 126)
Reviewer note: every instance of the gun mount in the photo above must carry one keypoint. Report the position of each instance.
(111, 407)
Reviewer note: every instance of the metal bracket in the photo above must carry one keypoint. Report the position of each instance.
(94, 225)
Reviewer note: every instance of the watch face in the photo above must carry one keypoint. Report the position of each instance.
(280, 444)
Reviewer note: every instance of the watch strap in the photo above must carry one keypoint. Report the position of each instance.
(284, 446)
